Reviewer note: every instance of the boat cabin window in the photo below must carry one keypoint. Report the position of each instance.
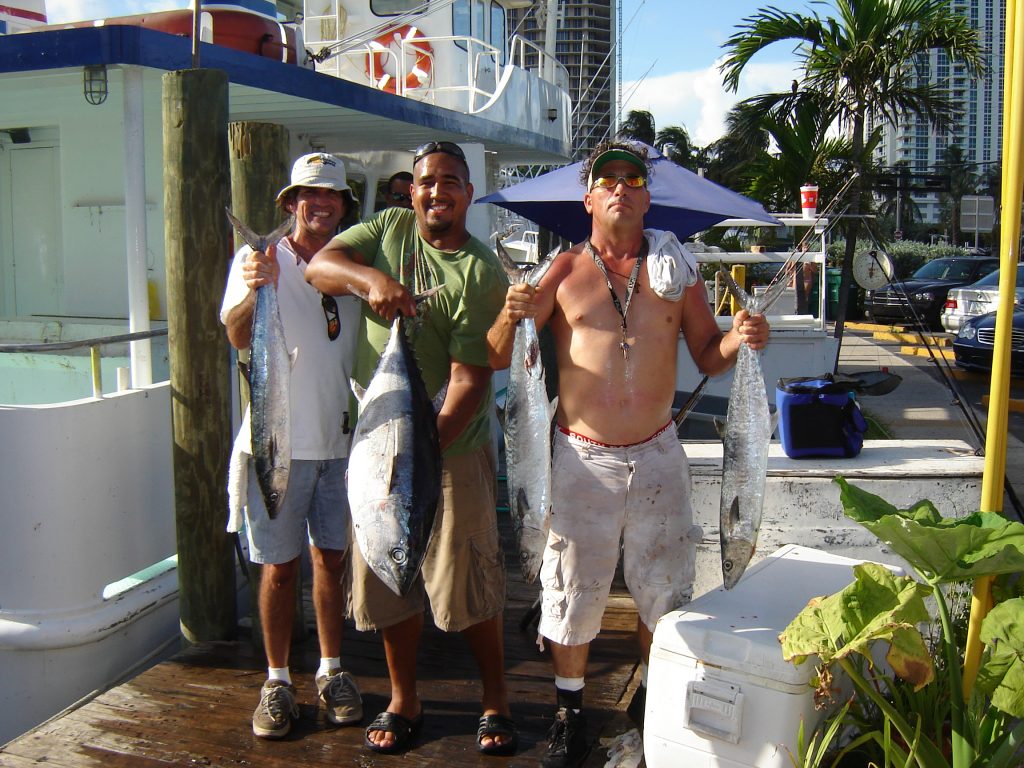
(497, 37)
(393, 7)
(460, 22)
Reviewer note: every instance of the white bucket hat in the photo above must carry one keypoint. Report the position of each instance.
(319, 169)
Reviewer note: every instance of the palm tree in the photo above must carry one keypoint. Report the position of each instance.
(639, 126)
(963, 180)
(674, 143)
(859, 66)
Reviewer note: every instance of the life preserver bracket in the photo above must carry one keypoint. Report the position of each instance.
(381, 48)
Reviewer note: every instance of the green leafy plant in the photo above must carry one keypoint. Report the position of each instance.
(882, 607)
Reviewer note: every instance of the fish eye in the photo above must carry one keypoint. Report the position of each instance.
(398, 555)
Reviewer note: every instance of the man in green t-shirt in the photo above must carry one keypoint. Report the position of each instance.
(388, 259)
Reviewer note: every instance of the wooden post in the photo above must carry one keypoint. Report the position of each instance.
(198, 247)
(259, 169)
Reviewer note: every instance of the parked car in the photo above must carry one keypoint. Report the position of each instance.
(977, 299)
(926, 290)
(973, 343)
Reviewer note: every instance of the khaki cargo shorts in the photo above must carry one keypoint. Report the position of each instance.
(601, 495)
(463, 572)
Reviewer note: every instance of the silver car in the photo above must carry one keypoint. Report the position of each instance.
(977, 298)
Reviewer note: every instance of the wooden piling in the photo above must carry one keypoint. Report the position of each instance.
(198, 247)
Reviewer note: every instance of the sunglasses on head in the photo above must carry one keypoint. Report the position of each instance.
(330, 306)
(446, 147)
(610, 182)
(399, 196)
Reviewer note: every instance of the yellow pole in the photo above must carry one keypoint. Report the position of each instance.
(1009, 251)
(97, 371)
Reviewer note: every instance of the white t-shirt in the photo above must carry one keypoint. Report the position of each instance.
(319, 385)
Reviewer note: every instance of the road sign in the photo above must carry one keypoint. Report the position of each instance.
(977, 213)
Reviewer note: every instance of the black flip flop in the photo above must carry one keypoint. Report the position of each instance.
(405, 731)
(497, 725)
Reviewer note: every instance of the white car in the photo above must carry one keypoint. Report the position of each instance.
(977, 298)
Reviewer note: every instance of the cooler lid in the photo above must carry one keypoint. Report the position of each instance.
(739, 629)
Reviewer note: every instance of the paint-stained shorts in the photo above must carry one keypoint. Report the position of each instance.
(639, 494)
(315, 509)
(463, 572)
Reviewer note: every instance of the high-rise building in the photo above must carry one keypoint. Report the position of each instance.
(585, 46)
(978, 129)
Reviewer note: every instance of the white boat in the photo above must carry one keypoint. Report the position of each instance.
(523, 249)
(88, 582)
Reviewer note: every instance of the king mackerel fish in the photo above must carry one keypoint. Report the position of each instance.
(748, 430)
(394, 465)
(269, 372)
(527, 425)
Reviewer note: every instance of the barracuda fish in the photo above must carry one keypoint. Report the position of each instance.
(748, 430)
(527, 425)
(394, 465)
(268, 372)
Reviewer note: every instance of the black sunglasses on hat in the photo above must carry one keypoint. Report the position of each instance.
(446, 147)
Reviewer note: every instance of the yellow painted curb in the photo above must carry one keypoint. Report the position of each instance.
(1016, 406)
(923, 352)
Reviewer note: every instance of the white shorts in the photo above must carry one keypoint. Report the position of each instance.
(639, 494)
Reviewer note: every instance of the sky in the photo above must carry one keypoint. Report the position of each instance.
(670, 55)
(675, 76)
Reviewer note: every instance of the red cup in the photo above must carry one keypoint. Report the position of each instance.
(809, 200)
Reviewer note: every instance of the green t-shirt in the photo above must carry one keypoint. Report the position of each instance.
(451, 325)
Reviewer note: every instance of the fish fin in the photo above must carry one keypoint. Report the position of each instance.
(282, 229)
(774, 422)
(292, 357)
(356, 292)
(438, 400)
(552, 407)
(537, 273)
(243, 368)
(358, 390)
(741, 296)
(419, 298)
(248, 236)
(719, 427)
(734, 510)
(514, 271)
(500, 413)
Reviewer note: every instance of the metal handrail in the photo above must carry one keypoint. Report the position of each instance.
(94, 350)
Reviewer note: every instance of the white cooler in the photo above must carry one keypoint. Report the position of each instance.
(718, 691)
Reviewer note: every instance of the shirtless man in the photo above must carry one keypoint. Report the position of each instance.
(616, 334)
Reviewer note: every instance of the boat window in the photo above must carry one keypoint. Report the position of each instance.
(497, 37)
(393, 7)
(460, 22)
(479, 19)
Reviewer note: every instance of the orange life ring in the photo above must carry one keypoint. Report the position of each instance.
(393, 40)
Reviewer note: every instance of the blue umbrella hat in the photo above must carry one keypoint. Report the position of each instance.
(681, 201)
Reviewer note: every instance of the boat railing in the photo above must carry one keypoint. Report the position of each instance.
(93, 345)
(409, 55)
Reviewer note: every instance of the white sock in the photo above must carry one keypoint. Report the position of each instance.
(643, 673)
(569, 683)
(279, 673)
(328, 664)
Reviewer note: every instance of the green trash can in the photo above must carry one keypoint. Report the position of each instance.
(833, 278)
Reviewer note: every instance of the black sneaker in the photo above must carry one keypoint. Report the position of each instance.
(567, 740)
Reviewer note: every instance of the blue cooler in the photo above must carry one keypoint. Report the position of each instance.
(819, 417)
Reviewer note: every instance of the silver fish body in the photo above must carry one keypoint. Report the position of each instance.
(269, 373)
(528, 415)
(394, 466)
(269, 403)
(748, 431)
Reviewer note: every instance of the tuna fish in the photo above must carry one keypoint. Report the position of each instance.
(748, 430)
(269, 372)
(527, 425)
(394, 465)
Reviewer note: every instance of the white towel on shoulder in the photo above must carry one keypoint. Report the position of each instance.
(670, 266)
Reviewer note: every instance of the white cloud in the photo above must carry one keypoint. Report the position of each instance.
(64, 11)
(697, 100)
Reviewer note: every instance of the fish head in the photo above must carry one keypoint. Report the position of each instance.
(273, 485)
(382, 529)
(736, 554)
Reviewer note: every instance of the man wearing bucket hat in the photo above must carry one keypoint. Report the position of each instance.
(322, 330)
(616, 305)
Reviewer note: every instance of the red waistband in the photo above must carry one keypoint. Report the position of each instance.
(592, 441)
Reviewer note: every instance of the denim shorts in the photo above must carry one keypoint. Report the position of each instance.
(315, 509)
(606, 499)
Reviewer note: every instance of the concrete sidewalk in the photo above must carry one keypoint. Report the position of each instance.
(920, 408)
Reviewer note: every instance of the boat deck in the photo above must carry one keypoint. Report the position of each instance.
(195, 709)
